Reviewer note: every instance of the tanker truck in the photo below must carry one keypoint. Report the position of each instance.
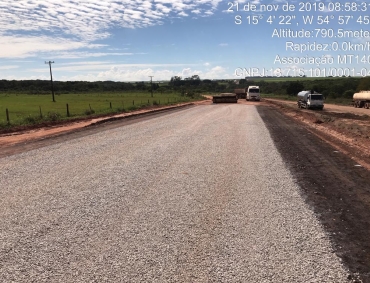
(361, 99)
(310, 100)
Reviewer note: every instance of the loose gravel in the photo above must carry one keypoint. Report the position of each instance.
(200, 195)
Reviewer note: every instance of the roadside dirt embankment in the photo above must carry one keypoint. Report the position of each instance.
(346, 128)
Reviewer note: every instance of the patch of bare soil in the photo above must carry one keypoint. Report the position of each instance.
(346, 128)
(331, 182)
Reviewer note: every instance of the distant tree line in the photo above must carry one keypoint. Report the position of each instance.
(191, 86)
(330, 87)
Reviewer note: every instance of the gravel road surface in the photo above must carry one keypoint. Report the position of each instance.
(200, 195)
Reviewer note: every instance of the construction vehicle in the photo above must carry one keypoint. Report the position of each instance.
(225, 98)
(361, 99)
(310, 100)
(253, 93)
(240, 93)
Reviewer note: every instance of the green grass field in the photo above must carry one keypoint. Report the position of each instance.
(25, 109)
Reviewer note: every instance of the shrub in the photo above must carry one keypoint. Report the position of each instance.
(348, 93)
(132, 108)
(5, 125)
(53, 116)
(120, 109)
(31, 119)
(89, 111)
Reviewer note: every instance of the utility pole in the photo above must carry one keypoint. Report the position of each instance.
(151, 85)
(51, 79)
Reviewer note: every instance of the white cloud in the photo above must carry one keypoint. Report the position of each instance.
(97, 71)
(9, 67)
(90, 19)
(30, 46)
(27, 46)
(26, 25)
(85, 54)
(118, 74)
(183, 14)
(103, 66)
(85, 63)
(142, 74)
(165, 9)
(105, 70)
(187, 72)
(218, 72)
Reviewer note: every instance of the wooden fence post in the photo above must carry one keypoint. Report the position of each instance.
(67, 110)
(40, 112)
(7, 115)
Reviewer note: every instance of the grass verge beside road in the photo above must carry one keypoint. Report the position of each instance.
(25, 110)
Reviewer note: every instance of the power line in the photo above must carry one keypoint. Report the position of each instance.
(51, 79)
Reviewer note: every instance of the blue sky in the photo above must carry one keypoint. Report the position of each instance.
(130, 40)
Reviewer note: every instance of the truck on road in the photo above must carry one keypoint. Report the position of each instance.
(361, 99)
(310, 100)
(240, 92)
(225, 98)
(253, 93)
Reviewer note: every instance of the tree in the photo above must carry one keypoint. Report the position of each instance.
(364, 84)
(294, 87)
(316, 88)
(348, 93)
(175, 81)
(242, 82)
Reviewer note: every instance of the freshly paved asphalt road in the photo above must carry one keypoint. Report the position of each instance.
(199, 195)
